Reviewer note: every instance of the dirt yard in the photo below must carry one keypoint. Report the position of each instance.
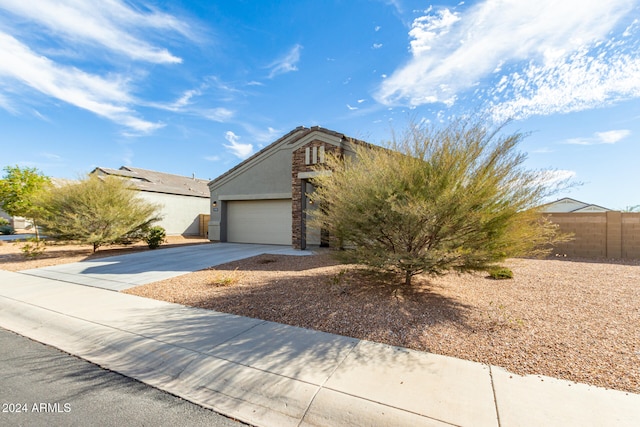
(572, 319)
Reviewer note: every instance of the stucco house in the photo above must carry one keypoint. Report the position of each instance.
(183, 199)
(8, 217)
(568, 204)
(264, 198)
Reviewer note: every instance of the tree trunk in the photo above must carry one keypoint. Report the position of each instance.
(35, 227)
(407, 278)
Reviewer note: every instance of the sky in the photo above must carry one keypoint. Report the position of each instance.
(195, 87)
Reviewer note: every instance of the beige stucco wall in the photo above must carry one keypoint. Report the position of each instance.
(181, 214)
(267, 175)
(267, 178)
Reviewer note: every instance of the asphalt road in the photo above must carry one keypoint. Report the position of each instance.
(40, 385)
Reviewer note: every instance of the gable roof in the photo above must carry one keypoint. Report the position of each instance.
(159, 182)
(290, 138)
(567, 205)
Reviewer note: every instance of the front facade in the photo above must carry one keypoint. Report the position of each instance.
(264, 199)
(182, 199)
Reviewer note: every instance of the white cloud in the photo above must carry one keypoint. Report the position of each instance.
(219, 114)
(427, 29)
(30, 54)
(6, 104)
(377, 45)
(397, 5)
(287, 63)
(453, 50)
(222, 86)
(212, 158)
(179, 104)
(186, 104)
(185, 99)
(261, 135)
(543, 150)
(41, 116)
(583, 80)
(351, 108)
(239, 150)
(609, 137)
(107, 98)
(613, 136)
(112, 24)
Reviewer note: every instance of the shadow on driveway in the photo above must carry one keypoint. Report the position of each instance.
(125, 271)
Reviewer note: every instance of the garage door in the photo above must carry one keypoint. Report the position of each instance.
(259, 221)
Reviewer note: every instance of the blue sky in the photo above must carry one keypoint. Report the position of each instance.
(196, 86)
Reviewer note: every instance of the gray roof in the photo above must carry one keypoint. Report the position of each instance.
(159, 182)
(584, 208)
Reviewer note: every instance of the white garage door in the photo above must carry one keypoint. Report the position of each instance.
(259, 221)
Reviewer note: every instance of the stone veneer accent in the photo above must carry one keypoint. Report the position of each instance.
(298, 164)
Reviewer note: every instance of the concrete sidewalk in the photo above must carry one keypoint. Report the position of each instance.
(269, 374)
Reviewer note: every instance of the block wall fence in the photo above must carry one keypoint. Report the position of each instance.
(609, 234)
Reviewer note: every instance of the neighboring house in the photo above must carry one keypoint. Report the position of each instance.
(567, 204)
(5, 215)
(17, 222)
(264, 198)
(182, 198)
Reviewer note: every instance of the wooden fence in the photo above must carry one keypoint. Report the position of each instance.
(204, 225)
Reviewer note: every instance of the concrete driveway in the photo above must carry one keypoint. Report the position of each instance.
(126, 271)
(14, 237)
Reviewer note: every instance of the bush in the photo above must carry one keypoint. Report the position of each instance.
(7, 229)
(227, 279)
(95, 211)
(33, 248)
(4, 221)
(457, 198)
(500, 273)
(155, 236)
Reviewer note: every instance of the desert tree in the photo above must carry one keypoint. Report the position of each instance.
(96, 211)
(436, 199)
(18, 189)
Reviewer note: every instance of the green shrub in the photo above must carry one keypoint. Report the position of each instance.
(33, 248)
(7, 229)
(155, 236)
(4, 221)
(500, 273)
(95, 211)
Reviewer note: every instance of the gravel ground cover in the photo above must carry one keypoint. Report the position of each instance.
(12, 258)
(572, 319)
